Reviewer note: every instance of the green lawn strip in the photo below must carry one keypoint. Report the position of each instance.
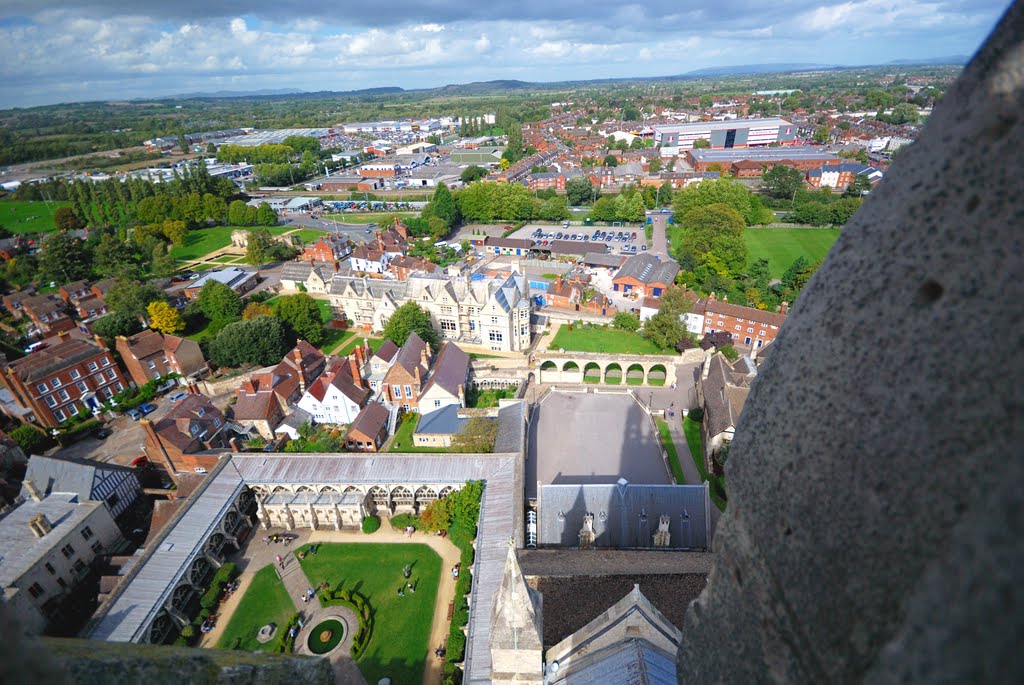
(356, 341)
(403, 439)
(782, 246)
(21, 216)
(265, 601)
(368, 218)
(670, 447)
(478, 355)
(692, 430)
(308, 236)
(338, 343)
(608, 340)
(488, 398)
(634, 380)
(399, 646)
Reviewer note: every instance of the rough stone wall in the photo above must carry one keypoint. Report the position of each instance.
(875, 506)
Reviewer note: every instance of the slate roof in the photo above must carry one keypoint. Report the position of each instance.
(725, 392)
(296, 271)
(46, 362)
(602, 259)
(631, 662)
(231, 276)
(521, 243)
(175, 426)
(53, 474)
(619, 514)
(145, 344)
(411, 353)
(444, 421)
(387, 350)
(451, 368)
(648, 269)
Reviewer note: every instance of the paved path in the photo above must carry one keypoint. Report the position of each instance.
(659, 242)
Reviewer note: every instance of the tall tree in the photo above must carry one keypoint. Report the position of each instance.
(265, 215)
(444, 207)
(579, 190)
(165, 318)
(65, 219)
(129, 296)
(713, 230)
(406, 319)
(782, 181)
(219, 302)
(261, 341)
(301, 315)
(64, 258)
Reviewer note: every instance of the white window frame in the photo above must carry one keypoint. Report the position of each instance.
(75, 374)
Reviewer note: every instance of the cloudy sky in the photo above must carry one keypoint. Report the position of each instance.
(67, 51)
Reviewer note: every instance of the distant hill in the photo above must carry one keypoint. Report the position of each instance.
(487, 86)
(233, 93)
(758, 69)
(954, 59)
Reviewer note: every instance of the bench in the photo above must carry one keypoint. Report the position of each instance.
(451, 610)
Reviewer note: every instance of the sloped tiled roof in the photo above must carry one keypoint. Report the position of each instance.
(371, 420)
(46, 362)
(451, 368)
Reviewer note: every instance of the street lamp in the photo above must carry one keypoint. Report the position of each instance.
(650, 400)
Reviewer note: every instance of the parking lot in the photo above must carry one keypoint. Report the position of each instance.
(613, 239)
(590, 438)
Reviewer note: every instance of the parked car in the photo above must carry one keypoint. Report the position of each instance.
(178, 396)
(193, 277)
(134, 414)
(632, 248)
(565, 224)
(643, 247)
(633, 237)
(102, 433)
(585, 237)
(558, 236)
(147, 408)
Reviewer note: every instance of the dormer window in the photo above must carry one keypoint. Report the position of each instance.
(200, 412)
(194, 430)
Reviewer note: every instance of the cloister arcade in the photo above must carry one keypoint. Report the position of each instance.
(606, 369)
(227, 537)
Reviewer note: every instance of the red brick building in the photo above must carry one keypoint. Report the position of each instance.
(189, 437)
(404, 380)
(750, 327)
(148, 355)
(576, 293)
(403, 267)
(542, 181)
(47, 313)
(62, 380)
(369, 430)
(330, 248)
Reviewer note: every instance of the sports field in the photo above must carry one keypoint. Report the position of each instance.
(781, 246)
(18, 216)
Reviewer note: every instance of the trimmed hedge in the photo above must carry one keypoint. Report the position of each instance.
(286, 643)
(402, 520)
(462, 532)
(222, 577)
(371, 524)
(358, 604)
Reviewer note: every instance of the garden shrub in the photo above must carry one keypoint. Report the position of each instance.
(286, 643)
(402, 520)
(371, 524)
(696, 414)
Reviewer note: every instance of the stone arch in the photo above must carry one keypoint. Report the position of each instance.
(260, 492)
(635, 374)
(215, 544)
(328, 488)
(402, 496)
(613, 373)
(549, 366)
(304, 489)
(445, 491)
(425, 493)
(181, 595)
(231, 522)
(570, 366)
(657, 375)
(199, 571)
(246, 498)
(353, 488)
(379, 495)
(161, 628)
(592, 373)
(281, 490)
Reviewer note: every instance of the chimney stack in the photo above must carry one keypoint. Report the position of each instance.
(33, 491)
(784, 308)
(234, 445)
(40, 525)
(425, 356)
(359, 355)
(354, 367)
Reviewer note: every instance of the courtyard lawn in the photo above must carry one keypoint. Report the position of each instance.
(399, 646)
(202, 241)
(265, 601)
(488, 398)
(670, 447)
(19, 216)
(369, 217)
(356, 341)
(782, 246)
(308, 236)
(609, 340)
(403, 439)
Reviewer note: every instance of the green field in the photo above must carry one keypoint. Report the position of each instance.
(781, 246)
(369, 217)
(203, 241)
(265, 601)
(603, 340)
(29, 217)
(399, 646)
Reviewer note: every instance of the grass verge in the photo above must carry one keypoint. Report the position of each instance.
(265, 601)
(670, 447)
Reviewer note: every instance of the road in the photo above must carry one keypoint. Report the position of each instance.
(659, 241)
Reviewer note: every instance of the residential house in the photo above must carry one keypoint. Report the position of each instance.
(439, 428)
(49, 544)
(492, 313)
(394, 240)
(189, 437)
(76, 290)
(47, 313)
(367, 259)
(13, 301)
(239, 280)
(263, 400)
(645, 275)
(379, 363)
(722, 391)
(404, 266)
(369, 430)
(57, 382)
(446, 385)
(544, 180)
(754, 327)
(576, 293)
(313, 278)
(101, 288)
(92, 481)
(404, 380)
(149, 355)
(694, 319)
(329, 248)
(338, 394)
(839, 176)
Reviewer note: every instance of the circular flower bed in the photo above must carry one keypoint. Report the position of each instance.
(325, 636)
